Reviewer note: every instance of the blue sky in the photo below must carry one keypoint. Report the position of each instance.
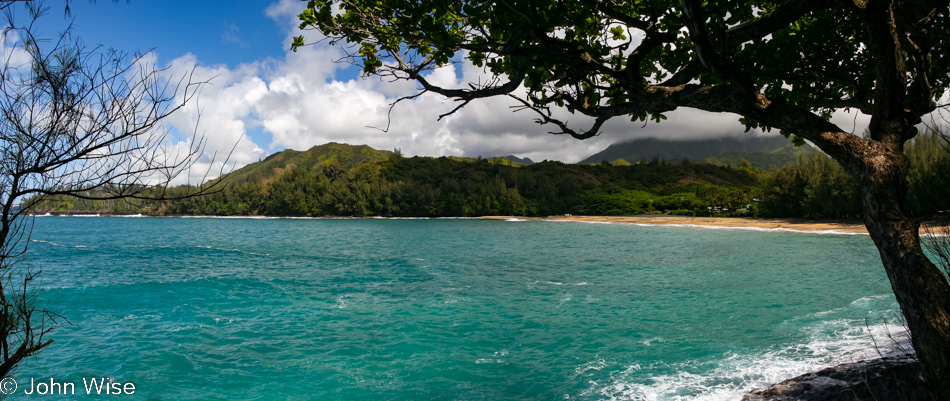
(214, 32)
(230, 33)
(265, 98)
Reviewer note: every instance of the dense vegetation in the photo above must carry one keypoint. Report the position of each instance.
(818, 187)
(343, 180)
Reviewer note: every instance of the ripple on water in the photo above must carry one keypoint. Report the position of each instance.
(450, 309)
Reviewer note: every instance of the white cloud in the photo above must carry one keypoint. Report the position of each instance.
(220, 114)
(13, 54)
(306, 99)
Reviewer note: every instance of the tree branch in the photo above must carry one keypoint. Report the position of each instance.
(768, 23)
(890, 74)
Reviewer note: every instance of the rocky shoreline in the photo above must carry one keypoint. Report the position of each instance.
(888, 378)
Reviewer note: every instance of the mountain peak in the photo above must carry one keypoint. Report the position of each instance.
(315, 159)
(525, 161)
(695, 149)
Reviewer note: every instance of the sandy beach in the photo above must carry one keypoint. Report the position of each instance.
(829, 226)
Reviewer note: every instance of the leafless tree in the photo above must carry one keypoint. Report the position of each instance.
(80, 121)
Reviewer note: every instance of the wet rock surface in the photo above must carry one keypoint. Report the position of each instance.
(890, 378)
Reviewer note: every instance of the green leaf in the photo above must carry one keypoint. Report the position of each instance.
(618, 33)
(298, 41)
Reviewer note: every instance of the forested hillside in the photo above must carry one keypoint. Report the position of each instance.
(345, 180)
(316, 161)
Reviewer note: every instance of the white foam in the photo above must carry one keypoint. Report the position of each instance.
(246, 252)
(341, 302)
(489, 360)
(502, 353)
(648, 342)
(231, 250)
(47, 242)
(863, 302)
(556, 283)
(833, 343)
(596, 364)
(64, 246)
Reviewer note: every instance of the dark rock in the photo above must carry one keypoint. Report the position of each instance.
(890, 378)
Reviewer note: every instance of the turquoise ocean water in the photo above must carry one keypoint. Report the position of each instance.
(378, 309)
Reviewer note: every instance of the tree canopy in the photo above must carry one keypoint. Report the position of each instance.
(779, 64)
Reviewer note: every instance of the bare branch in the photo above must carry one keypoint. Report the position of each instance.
(389, 112)
(76, 121)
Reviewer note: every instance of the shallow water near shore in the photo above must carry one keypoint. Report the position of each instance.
(330, 309)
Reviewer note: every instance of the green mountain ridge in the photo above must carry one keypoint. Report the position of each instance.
(333, 155)
(762, 152)
(346, 180)
(765, 161)
(339, 179)
(315, 159)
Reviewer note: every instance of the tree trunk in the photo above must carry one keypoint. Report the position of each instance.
(920, 287)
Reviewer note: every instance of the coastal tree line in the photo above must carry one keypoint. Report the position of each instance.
(433, 187)
(815, 186)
